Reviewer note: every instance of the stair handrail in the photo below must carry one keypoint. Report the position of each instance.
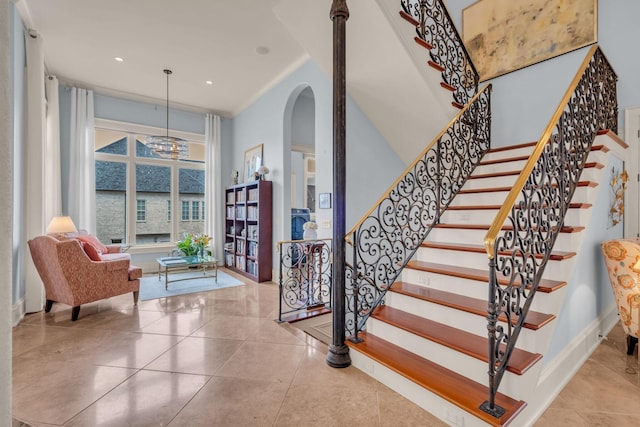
(536, 206)
(436, 27)
(389, 234)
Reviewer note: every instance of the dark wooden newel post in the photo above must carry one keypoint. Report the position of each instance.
(338, 355)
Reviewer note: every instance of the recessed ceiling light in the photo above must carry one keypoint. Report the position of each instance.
(262, 50)
(118, 59)
(209, 82)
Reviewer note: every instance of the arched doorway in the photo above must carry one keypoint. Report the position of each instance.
(299, 155)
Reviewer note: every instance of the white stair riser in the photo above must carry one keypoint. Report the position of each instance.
(574, 216)
(499, 167)
(564, 242)
(529, 340)
(588, 174)
(555, 270)
(543, 302)
(507, 154)
(470, 367)
(582, 194)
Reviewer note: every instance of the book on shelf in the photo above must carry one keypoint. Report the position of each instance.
(240, 262)
(228, 259)
(252, 212)
(253, 194)
(252, 231)
(252, 249)
(240, 212)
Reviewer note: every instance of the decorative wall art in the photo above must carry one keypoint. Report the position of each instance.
(324, 200)
(252, 163)
(502, 36)
(618, 186)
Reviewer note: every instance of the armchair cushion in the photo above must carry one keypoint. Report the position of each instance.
(91, 251)
(88, 238)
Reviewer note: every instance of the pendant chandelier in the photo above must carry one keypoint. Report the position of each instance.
(165, 146)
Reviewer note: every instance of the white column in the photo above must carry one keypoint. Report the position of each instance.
(5, 220)
(34, 213)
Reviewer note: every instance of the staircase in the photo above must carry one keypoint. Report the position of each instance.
(428, 341)
(446, 266)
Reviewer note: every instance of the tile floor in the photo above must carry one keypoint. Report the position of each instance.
(218, 358)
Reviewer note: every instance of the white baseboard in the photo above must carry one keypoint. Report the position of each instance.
(559, 371)
(17, 312)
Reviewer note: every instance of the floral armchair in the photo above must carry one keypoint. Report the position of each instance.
(74, 272)
(622, 258)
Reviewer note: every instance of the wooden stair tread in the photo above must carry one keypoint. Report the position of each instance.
(443, 382)
(576, 205)
(467, 247)
(306, 314)
(513, 147)
(534, 143)
(410, 19)
(587, 165)
(456, 339)
(503, 160)
(591, 184)
(545, 285)
(564, 229)
(535, 320)
(435, 66)
(423, 43)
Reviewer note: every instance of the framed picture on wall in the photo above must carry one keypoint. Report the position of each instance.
(252, 162)
(505, 35)
(324, 200)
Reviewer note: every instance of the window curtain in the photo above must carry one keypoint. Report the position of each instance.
(212, 187)
(82, 180)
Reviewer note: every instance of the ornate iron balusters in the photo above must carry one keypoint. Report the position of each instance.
(387, 237)
(305, 275)
(544, 189)
(436, 28)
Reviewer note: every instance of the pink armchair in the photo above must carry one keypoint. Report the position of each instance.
(71, 277)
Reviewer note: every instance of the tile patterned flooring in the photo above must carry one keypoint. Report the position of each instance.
(218, 358)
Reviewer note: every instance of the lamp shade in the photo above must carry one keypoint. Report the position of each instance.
(61, 224)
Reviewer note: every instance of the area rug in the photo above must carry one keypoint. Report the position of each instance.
(152, 288)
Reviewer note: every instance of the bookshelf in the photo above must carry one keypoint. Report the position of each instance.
(248, 224)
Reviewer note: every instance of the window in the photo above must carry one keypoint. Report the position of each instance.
(141, 210)
(195, 210)
(185, 211)
(136, 189)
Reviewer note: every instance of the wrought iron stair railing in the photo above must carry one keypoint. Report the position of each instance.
(304, 276)
(535, 208)
(436, 27)
(387, 237)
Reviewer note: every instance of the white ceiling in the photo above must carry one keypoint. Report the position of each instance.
(217, 40)
(198, 40)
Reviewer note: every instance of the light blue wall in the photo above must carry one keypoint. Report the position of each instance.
(17, 52)
(523, 101)
(589, 293)
(371, 164)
